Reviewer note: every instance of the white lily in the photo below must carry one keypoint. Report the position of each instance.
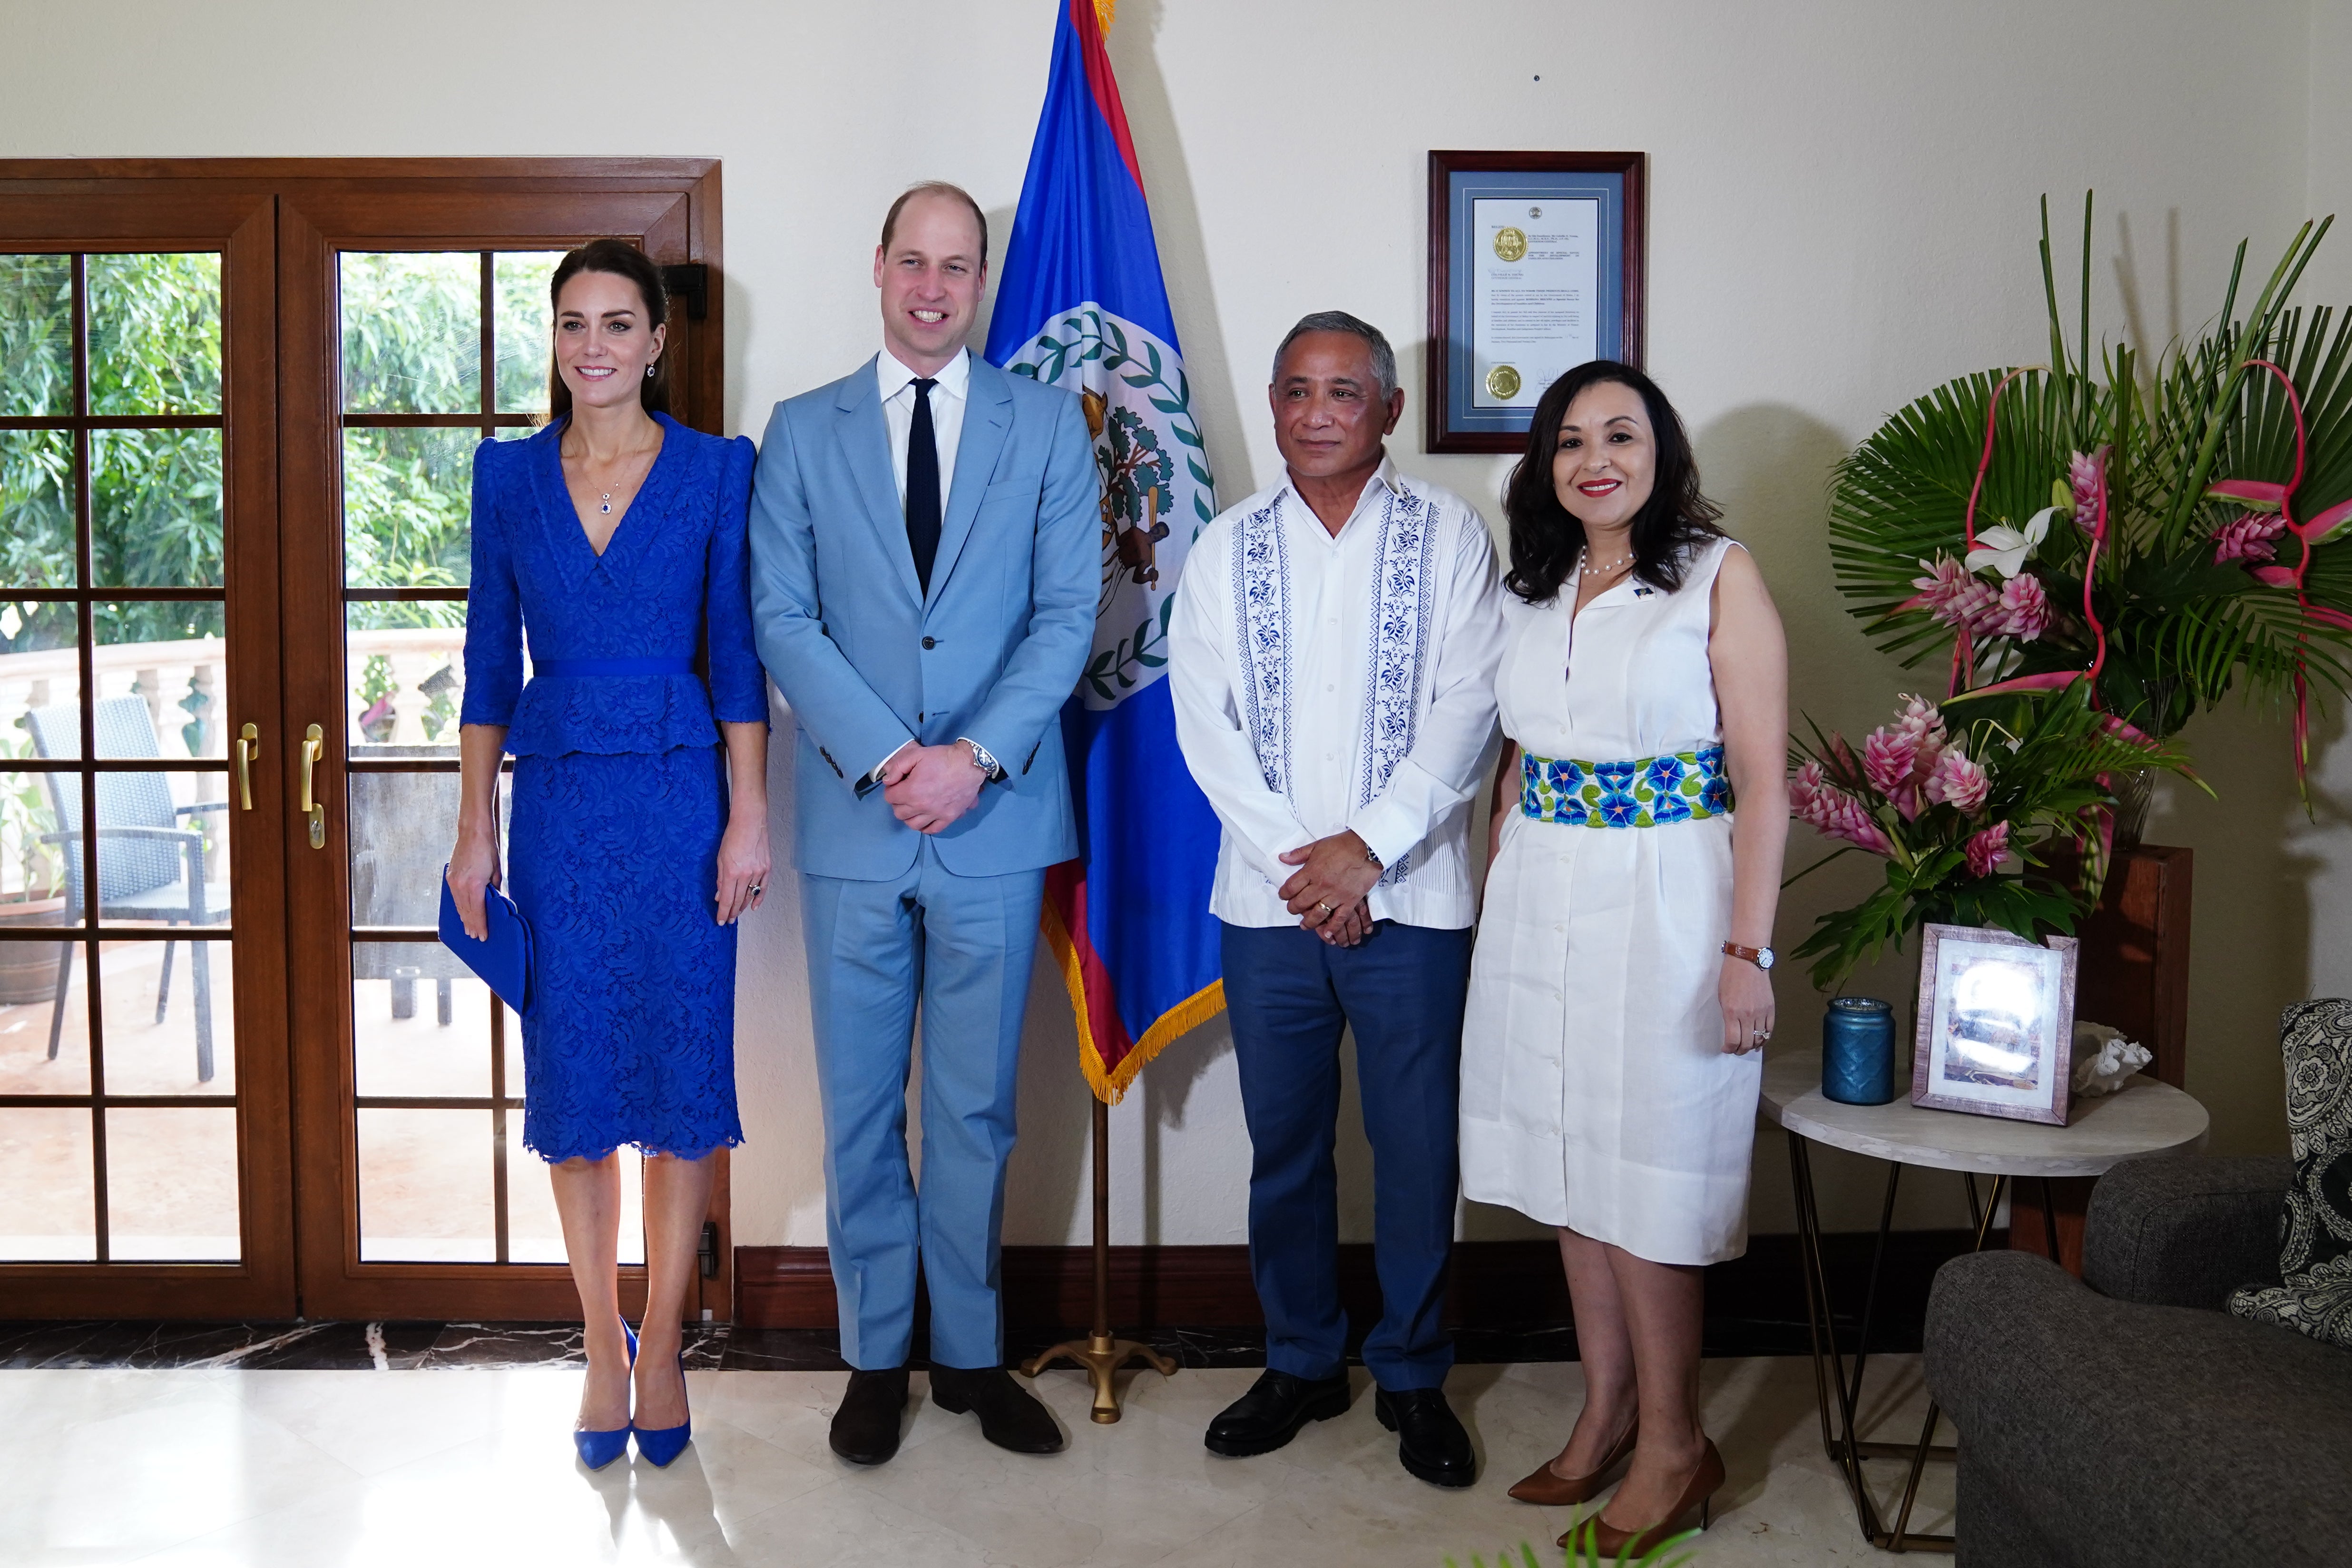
(2006, 548)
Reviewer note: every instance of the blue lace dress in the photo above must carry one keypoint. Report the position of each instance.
(620, 789)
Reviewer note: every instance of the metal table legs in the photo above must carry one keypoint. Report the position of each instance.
(1833, 1379)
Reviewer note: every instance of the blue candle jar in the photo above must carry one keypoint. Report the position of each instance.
(1858, 1050)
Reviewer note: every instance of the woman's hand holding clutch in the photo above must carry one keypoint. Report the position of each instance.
(473, 865)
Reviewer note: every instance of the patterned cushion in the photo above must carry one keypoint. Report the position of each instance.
(2315, 1232)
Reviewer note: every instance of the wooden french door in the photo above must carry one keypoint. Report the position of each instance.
(145, 1126)
(398, 316)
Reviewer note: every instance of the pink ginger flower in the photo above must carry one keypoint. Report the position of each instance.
(2248, 538)
(1803, 784)
(1890, 760)
(2082, 473)
(1923, 719)
(1957, 597)
(1957, 783)
(1835, 812)
(1986, 848)
(2025, 608)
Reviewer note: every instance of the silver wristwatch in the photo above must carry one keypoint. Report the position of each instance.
(982, 758)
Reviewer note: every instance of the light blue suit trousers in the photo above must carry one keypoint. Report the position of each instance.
(963, 944)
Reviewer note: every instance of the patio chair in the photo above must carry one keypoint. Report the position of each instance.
(151, 864)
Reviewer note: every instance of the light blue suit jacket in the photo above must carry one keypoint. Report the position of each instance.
(868, 661)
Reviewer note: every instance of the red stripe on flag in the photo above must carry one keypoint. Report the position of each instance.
(1104, 1042)
(1105, 85)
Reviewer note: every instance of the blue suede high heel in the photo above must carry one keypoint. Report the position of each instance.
(598, 1449)
(664, 1443)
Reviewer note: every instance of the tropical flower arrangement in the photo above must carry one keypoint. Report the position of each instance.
(1966, 801)
(2161, 532)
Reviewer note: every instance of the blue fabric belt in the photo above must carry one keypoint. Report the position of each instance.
(592, 666)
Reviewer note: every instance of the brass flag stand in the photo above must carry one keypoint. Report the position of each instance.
(1098, 1354)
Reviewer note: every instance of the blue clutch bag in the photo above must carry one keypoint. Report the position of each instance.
(504, 960)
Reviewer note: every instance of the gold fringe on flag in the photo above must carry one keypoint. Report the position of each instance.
(1110, 1084)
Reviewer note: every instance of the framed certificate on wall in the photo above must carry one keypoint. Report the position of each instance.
(1535, 267)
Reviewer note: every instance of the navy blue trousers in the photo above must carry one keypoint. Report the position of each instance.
(1290, 994)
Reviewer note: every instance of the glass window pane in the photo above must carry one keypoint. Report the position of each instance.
(524, 329)
(424, 1187)
(46, 1170)
(171, 1184)
(40, 681)
(171, 656)
(534, 1233)
(38, 884)
(401, 1043)
(155, 334)
(412, 331)
(407, 684)
(167, 1014)
(37, 511)
(32, 1012)
(155, 507)
(35, 335)
(407, 497)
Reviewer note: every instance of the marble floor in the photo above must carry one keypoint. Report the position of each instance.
(226, 1466)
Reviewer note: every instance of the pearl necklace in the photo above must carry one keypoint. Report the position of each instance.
(1611, 570)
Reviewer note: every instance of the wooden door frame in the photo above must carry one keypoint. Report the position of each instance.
(428, 205)
(55, 206)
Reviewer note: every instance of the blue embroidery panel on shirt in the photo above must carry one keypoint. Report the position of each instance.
(1399, 643)
(1261, 631)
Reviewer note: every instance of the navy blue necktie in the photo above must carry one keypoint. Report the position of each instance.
(923, 485)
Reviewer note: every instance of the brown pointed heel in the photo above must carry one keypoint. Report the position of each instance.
(1547, 1490)
(1600, 1537)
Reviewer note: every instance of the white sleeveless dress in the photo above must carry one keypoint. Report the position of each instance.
(1595, 1090)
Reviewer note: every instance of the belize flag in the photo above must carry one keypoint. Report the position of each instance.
(1082, 305)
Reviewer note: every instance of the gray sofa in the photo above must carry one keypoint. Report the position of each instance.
(2126, 1418)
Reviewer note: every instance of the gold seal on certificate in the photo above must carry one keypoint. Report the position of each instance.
(1503, 383)
(1510, 243)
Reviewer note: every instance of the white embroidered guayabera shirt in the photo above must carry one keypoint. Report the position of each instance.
(1326, 683)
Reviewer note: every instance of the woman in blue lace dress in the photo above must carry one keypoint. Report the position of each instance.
(639, 818)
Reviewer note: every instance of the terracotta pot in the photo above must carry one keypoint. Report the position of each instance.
(29, 969)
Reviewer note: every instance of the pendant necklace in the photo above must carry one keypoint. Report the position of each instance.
(605, 498)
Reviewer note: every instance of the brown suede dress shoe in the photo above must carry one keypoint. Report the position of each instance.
(865, 1428)
(1010, 1416)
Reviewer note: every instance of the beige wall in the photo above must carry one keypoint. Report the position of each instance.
(1843, 216)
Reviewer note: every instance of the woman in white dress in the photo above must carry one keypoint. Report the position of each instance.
(1619, 988)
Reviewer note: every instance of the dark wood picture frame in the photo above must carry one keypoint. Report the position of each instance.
(2055, 1106)
(1446, 431)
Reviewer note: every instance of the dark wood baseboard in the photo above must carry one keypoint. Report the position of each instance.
(1497, 1285)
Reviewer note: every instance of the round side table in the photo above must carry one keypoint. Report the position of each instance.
(2145, 1117)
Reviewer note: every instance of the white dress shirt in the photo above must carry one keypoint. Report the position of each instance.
(1445, 602)
(948, 398)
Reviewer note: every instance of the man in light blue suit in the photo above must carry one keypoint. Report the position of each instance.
(926, 556)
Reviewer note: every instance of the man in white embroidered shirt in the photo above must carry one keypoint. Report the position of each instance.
(1332, 661)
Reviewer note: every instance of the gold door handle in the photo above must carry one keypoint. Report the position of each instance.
(314, 749)
(248, 746)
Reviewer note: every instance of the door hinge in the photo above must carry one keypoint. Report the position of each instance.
(708, 1251)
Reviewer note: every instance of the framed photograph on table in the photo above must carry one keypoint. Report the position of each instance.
(1996, 1026)
(1535, 267)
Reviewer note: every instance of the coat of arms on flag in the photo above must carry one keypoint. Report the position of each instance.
(1082, 305)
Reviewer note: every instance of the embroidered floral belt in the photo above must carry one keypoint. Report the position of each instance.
(1648, 791)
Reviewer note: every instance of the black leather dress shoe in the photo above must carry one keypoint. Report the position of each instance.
(1430, 1443)
(1010, 1415)
(1273, 1411)
(865, 1428)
